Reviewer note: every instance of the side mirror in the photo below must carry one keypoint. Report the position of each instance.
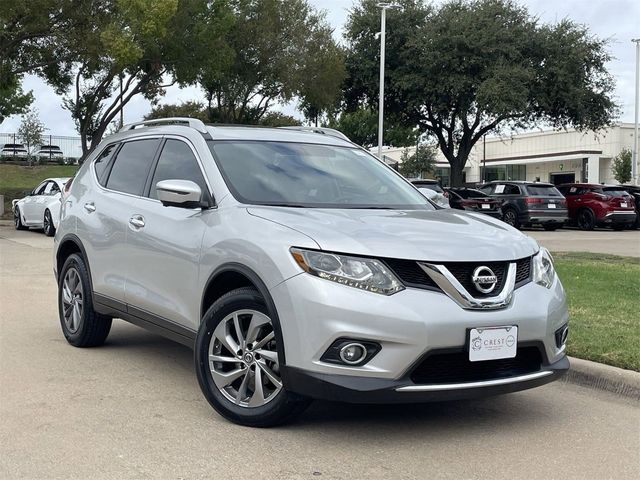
(179, 193)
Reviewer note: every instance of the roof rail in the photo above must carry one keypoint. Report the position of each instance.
(332, 132)
(190, 122)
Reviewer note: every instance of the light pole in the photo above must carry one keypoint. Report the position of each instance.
(634, 157)
(384, 6)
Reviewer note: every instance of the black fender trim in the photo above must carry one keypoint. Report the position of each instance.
(73, 238)
(262, 289)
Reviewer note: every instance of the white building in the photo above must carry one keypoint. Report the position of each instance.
(547, 156)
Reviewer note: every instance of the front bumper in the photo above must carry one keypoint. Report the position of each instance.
(374, 390)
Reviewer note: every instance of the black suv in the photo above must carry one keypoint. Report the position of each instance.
(634, 191)
(529, 203)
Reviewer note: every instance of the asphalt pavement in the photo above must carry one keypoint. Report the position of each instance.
(133, 409)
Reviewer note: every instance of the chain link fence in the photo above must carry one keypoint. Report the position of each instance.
(54, 149)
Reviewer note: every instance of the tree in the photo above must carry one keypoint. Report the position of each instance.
(421, 161)
(33, 39)
(186, 109)
(278, 119)
(137, 47)
(30, 131)
(466, 68)
(279, 50)
(621, 166)
(361, 126)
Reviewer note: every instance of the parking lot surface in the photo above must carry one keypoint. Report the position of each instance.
(626, 242)
(133, 409)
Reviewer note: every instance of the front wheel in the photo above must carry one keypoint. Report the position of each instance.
(47, 224)
(237, 357)
(17, 220)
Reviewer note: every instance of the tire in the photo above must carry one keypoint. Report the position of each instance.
(586, 219)
(81, 325)
(17, 220)
(510, 217)
(238, 400)
(47, 224)
(551, 228)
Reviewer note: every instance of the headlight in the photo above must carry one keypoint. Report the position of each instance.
(363, 273)
(543, 271)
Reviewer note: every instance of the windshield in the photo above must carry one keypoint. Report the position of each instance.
(307, 175)
(543, 191)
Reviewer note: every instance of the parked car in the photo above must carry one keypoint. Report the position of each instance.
(529, 203)
(428, 183)
(593, 205)
(634, 191)
(299, 266)
(49, 152)
(474, 200)
(13, 150)
(41, 207)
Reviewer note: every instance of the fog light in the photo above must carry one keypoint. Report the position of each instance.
(561, 335)
(353, 353)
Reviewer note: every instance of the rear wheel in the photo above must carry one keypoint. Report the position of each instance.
(586, 219)
(81, 325)
(237, 358)
(17, 219)
(47, 224)
(511, 217)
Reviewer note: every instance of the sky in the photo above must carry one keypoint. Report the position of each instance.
(616, 20)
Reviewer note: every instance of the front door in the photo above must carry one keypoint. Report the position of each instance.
(561, 178)
(165, 244)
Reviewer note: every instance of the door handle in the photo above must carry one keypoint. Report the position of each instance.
(136, 221)
(89, 207)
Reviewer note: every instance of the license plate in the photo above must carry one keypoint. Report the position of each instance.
(492, 343)
(623, 204)
(552, 205)
(486, 206)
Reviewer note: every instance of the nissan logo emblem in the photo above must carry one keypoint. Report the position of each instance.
(484, 279)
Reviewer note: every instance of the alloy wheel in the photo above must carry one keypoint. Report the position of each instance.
(16, 218)
(47, 222)
(243, 359)
(510, 218)
(72, 300)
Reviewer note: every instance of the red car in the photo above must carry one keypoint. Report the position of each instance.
(592, 205)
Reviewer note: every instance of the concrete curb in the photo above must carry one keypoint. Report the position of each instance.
(6, 223)
(616, 380)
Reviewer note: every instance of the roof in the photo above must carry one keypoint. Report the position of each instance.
(591, 185)
(520, 182)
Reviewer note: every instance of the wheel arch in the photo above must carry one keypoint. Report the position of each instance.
(232, 275)
(70, 244)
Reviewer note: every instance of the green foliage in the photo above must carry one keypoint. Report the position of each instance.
(278, 119)
(30, 131)
(361, 126)
(279, 50)
(186, 109)
(621, 166)
(464, 68)
(420, 162)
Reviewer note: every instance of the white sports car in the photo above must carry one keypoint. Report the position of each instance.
(41, 207)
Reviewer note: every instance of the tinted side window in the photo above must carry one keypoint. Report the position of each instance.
(102, 162)
(55, 189)
(40, 189)
(131, 167)
(511, 190)
(177, 162)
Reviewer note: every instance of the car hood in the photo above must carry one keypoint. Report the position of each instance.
(443, 235)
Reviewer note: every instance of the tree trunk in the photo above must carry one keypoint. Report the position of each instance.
(456, 177)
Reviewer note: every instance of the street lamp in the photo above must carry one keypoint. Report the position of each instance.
(384, 6)
(634, 158)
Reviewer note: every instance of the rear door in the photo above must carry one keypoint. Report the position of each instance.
(165, 247)
(120, 174)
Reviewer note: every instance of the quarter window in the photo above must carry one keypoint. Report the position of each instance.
(177, 162)
(102, 162)
(131, 167)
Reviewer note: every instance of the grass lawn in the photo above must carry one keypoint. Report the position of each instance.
(14, 179)
(604, 307)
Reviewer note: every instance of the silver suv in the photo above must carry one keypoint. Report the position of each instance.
(298, 267)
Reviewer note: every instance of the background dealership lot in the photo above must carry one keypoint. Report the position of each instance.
(133, 408)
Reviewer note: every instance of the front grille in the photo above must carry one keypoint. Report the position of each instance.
(440, 368)
(410, 274)
(463, 272)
